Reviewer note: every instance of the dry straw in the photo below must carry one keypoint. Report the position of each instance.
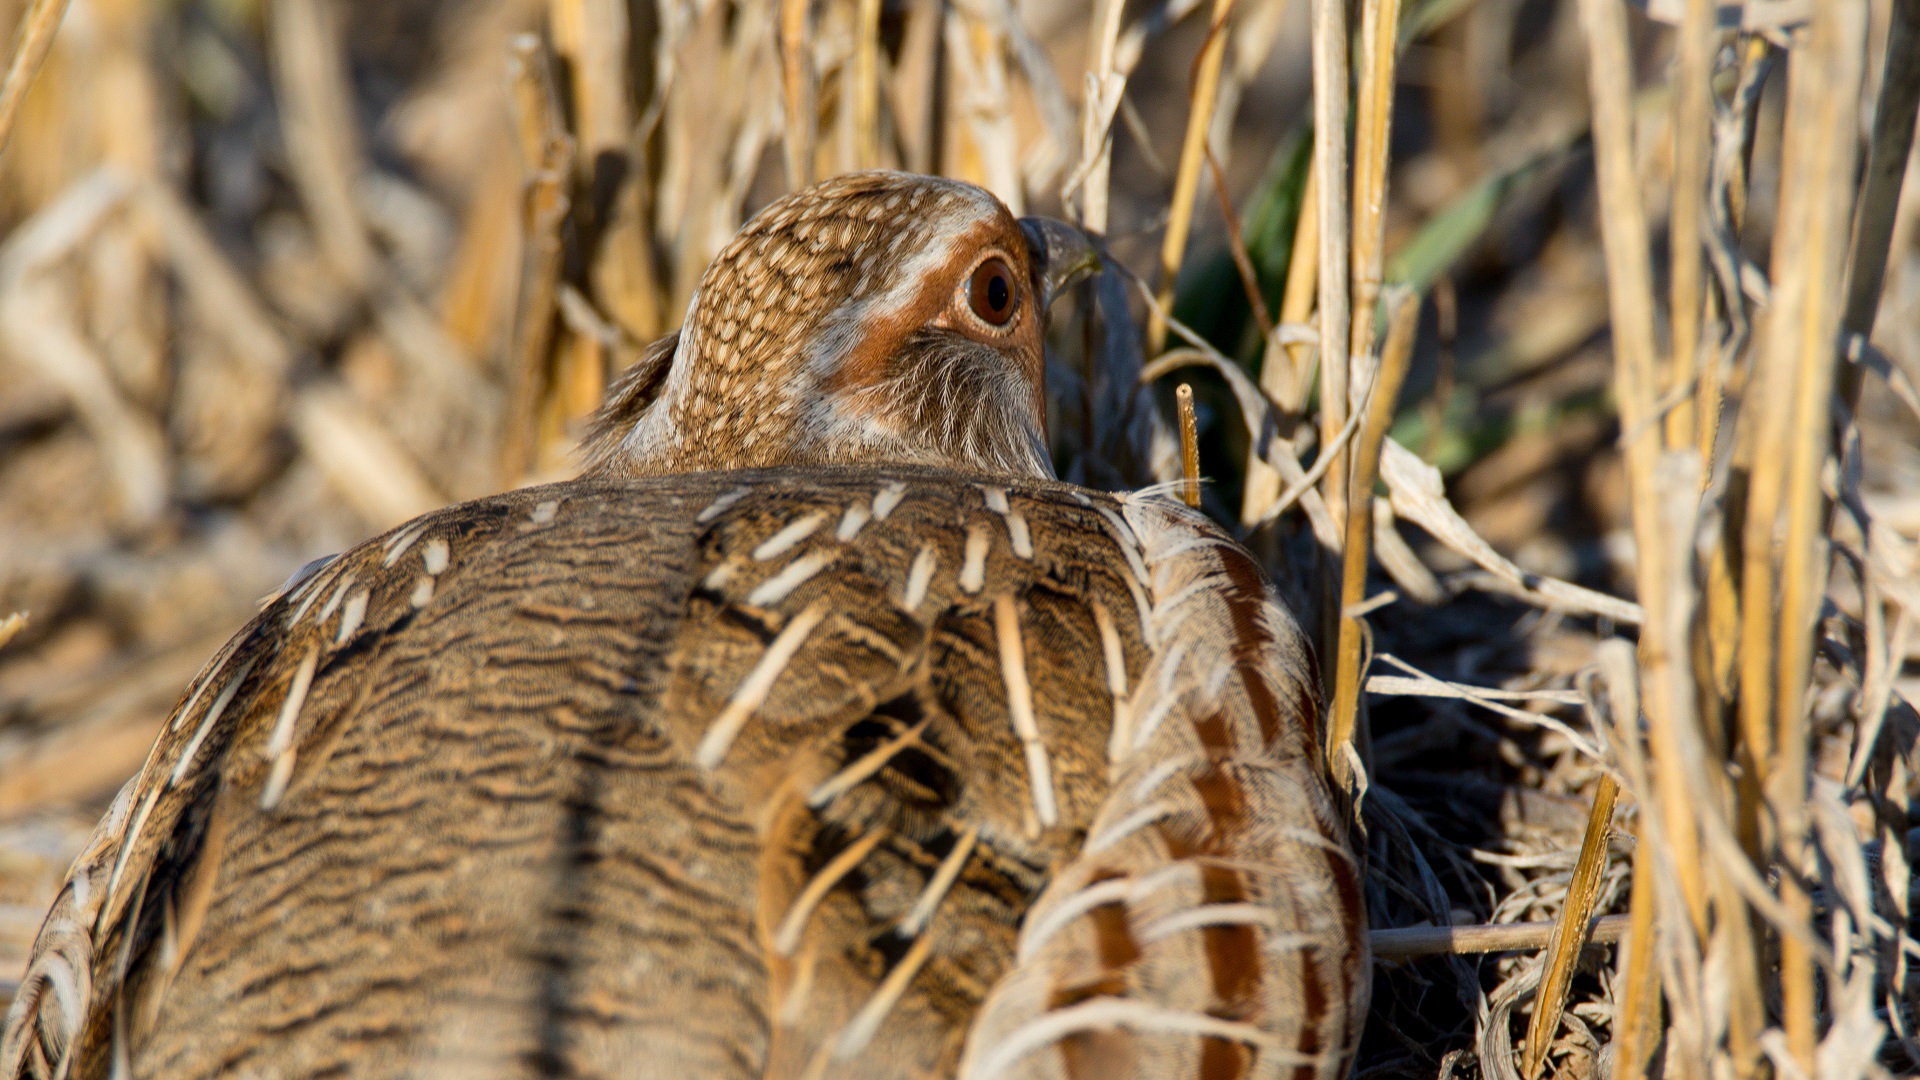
(1639, 701)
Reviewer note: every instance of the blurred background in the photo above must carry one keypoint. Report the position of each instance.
(276, 275)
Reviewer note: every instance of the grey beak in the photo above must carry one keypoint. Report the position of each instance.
(1062, 255)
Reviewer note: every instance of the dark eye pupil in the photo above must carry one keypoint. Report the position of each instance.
(990, 292)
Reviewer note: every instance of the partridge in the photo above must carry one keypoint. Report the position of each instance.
(814, 731)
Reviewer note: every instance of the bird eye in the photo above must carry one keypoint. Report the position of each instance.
(990, 292)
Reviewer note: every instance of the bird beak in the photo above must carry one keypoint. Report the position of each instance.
(1061, 254)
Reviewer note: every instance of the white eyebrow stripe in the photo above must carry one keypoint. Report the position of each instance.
(783, 541)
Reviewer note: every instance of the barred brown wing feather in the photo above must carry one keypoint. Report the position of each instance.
(748, 774)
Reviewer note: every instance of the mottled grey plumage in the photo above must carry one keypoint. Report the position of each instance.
(866, 769)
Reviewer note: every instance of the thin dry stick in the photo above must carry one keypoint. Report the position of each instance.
(547, 157)
(1636, 1022)
(1296, 303)
(592, 35)
(1353, 575)
(796, 84)
(321, 132)
(1410, 942)
(1623, 228)
(1893, 124)
(1746, 1004)
(12, 625)
(29, 52)
(1104, 86)
(1636, 1019)
(1189, 446)
(1373, 126)
(1286, 383)
(1693, 115)
(1242, 262)
(1569, 932)
(1186, 181)
(1764, 438)
(1330, 170)
(1707, 388)
(866, 85)
(1822, 102)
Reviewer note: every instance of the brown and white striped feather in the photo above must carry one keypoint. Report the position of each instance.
(1213, 925)
(719, 775)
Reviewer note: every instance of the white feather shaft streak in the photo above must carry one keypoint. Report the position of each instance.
(1019, 535)
(1129, 545)
(783, 541)
(973, 570)
(787, 938)
(1013, 669)
(852, 522)
(1205, 915)
(866, 765)
(866, 1024)
(887, 498)
(206, 677)
(1125, 890)
(200, 733)
(948, 872)
(350, 616)
(719, 506)
(919, 576)
(795, 574)
(109, 908)
(1107, 1014)
(1121, 734)
(755, 687)
(280, 743)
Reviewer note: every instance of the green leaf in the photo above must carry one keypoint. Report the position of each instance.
(1451, 233)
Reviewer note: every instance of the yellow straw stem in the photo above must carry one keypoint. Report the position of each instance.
(1186, 181)
(1353, 577)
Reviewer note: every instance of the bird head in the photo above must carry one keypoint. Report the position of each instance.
(877, 317)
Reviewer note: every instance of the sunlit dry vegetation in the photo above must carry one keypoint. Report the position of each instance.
(1553, 353)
